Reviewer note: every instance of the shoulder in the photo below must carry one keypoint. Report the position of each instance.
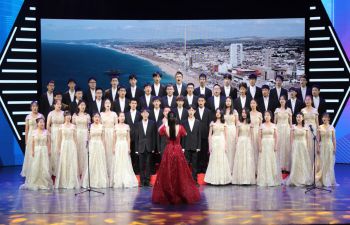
(277, 110)
(211, 123)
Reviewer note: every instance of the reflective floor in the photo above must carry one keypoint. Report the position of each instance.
(219, 205)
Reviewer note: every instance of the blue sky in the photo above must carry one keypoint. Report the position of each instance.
(52, 29)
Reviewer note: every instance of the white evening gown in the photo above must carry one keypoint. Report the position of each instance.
(81, 123)
(231, 134)
(57, 119)
(256, 121)
(283, 133)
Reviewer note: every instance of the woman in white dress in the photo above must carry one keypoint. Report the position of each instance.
(231, 118)
(327, 149)
(67, 169)
(218, 171)
(39, 175)
(301, 170)
(123, 175)
(82, 121)
(54, 121)
(30, 126)
(269, 173)
(255, 121)
(109, 119)
(97, 157)
(283, 121)
(243, 172)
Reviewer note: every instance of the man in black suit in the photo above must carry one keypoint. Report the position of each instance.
(294, 104)
(202, 89)
(145, 145)
(243, 101)
(180, 112)
(216, 101)
(278, 91)
(121, 104)
(132, 118)
(190, 98)
(265, 102)
(169, 100)
(73, 106)
(191, 143)
(318, 102)
(304, 90)
(112, 93)
(69, 96)
(227, 89)
(254, 92)
(204, 116)
(179, 87)
(58, 97)
(133, 91)
(97, 105)
(158, 89)
(146, 99)
(90, 94)
(47, 99)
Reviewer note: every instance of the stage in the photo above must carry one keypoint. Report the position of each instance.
(219, 205)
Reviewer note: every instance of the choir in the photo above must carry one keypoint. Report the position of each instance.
(244, 137)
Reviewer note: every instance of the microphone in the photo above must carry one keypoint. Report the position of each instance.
(311, 129)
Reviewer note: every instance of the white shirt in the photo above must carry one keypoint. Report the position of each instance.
(216, 102)
(252, 90)
(93, 94)
(201, 111)
(316, 101)
(156, 89)
(71, 95)
(179, 88)
(190, 99)
(148, 99)
(303, 92)
(266, 102)
(114, 92)
(156, 114)
(50, 98)
(98, 103)
(170, 100)
(133, 115)
(144, 123)
(243, 100)
(122, 104)
(191, 123)
(133, 91)
(180, 112)
(293, 101)
(202, 90)
(278, 92)
(227, 90)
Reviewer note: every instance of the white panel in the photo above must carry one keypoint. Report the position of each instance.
(19, 102)
(21, 112)
(30, 18)
(15, 92)
(341, 52)
(21, 123)
(23, 49)
(322, 49)
(330, 110)
(26, 39)
(326, 69)
(315, 18)
(329, 80)
(317, 28)
(324, 59)
(18, 71)
(32, 8)
(320, 38)
(28, 29)
(18, 81)
(332, 100)
(7, 46)
(22, 60)
(312, 7)
(332, 90)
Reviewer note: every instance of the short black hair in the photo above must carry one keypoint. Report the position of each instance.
(179, 72)
(156, 98)
(91, 78)
(280, 77)
(50, 82)
(121, 87)
(57, 93)
(157, 74)
(114, 77)
(71, 80)
(78, 90)
(265, 86)
(316, 86)
(189, 84)
(201, 96)
(132, 76)
(99, 89)
(203, 75)
(147, 85)
(217, 85)
(192, 107)
(133, 100)
(227, 76)
(242, 84)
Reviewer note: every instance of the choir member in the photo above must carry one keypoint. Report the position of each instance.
(304, 90)
(202, 89)
(69, 95)
(90, 93)
(218, 171)
(169, 100)
(243, 101)
(133, 91)
(46, 99)
(112, 92)
(216, 101)
(180, 112)
(256, 120)
(96, 174)
(156, 114)
(231, 119)
(190, 98)
(266, 102)
(158, 89)
(203, 114)
(318, 102)
(67, 169)
(227, 89)
(254, 92)
(269, 173)
(82, 121)
(191, 143)
(73, 106)
(294, 104)
(243, 172)
(179, 87)
(58, 97)
(54, 121)
(162, 139)
(39, 174)
(283, 121)
(278, 91)
(97, 105)
(30, 126)
(145, 145)
(121, 104)
(301, 168)
(146, 99)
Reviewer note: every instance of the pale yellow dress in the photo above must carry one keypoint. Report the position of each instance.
(283, 140)
(255, 121)
(231, 137)
(57, 119)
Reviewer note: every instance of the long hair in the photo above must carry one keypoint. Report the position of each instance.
(77, 110)
(303, 122)
(248, 116)
(172, 121)
(222, 117)
(231, 107)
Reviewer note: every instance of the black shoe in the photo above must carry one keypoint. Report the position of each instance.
(197, 184)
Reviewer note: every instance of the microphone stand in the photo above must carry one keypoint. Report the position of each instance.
(88, 189)
(313, 186)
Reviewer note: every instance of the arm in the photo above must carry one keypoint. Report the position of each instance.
(276, 139)
(136, 139)
(26, 131)
(75, 136)
(48, 124)
(225, 130)
(199, 138)
(260, 139)
(291, 137)
(49, 143)
(334, 141)
(59, 141)
(128, 139)
(209, 137)
(33, 146)
(318, 146)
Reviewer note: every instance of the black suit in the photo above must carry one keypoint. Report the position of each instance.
(44, 105)
(183, 90)
(165, 102)
(145, 144)
(211, 105)
(73, 107)
(66, 98)
(161, 92)
(117, 107)
(275, 96)
(237, 104)
(191, 142)
(87, 96)
(297, 108)
(300, 95)
(194, 102)
(159, 121)
(258, 93)
(132, 125)
(184, 114)
(203, 156)
(93, 108)
(321, 109)
(143, 102)
(109, 95)
(138, 93)
(207, 93)
(232, 94)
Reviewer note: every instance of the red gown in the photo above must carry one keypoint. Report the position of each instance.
(174, 183)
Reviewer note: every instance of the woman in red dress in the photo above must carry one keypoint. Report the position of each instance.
(174, 183)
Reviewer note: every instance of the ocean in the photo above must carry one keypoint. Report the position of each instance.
(61, 61)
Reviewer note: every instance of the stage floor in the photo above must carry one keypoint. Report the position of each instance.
(219, 205)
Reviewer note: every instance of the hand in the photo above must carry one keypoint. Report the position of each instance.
(137, 153)
(275, 149)
(164, 120)
(33, 154)
(113, 152)
(183, 150)
(152, 151)
(318, 152)
(260, 150)
(198, 150)
(49, 153)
